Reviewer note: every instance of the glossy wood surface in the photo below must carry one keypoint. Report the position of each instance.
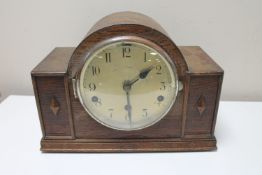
(67, 127)
(205, 82)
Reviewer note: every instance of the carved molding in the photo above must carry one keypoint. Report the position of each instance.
(54, 106)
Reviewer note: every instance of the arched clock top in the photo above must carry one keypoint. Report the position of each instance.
(130, 25)
(127, 88)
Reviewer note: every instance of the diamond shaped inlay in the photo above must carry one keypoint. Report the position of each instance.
(201, 104)
(54, 106)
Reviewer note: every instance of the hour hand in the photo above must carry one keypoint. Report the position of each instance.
(143, 73)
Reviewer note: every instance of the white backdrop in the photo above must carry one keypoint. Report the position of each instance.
(230, 31)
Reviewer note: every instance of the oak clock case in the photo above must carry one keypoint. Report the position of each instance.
(127, 88)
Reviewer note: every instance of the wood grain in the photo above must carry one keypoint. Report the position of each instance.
(123, 18)
(194, 127)
(67, 127)
(163, 145)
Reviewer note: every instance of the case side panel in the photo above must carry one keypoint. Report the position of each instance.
(53, 107)
(202, 104)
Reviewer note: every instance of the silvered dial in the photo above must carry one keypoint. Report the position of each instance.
(127, 85)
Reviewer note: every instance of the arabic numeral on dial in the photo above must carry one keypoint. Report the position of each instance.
(92, 86)
(108, 57)
(111, 112)
(158, 69)
(126, 50)
(145, 113)
(163, 86)
(95, 70)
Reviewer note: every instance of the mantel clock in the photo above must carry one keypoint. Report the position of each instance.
(127, 88)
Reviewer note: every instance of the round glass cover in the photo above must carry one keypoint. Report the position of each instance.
(127, 85)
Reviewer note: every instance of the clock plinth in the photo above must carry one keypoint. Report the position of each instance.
(139, 145)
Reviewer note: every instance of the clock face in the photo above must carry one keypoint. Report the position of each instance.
(127, 85)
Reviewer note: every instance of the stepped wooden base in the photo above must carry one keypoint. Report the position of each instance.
(142, 145)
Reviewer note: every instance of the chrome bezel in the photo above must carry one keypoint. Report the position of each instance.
(127, 39)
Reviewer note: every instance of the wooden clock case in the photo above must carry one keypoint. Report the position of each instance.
(67, 127)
